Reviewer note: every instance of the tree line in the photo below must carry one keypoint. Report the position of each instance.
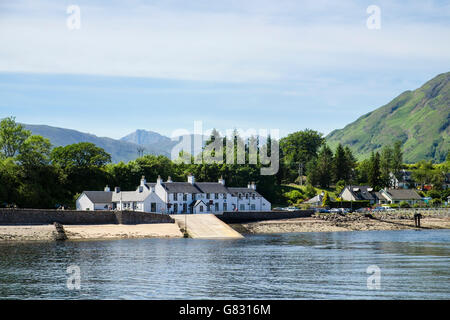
(35, 175)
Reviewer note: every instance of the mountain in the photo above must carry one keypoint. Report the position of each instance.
(419, 119)
(151, 140)
(119, 150)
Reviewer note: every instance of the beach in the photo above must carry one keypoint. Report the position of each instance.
(349, 222)
(89, 232)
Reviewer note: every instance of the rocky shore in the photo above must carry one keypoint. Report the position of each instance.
(326, 222)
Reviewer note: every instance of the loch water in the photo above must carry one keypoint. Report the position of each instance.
(407, 264)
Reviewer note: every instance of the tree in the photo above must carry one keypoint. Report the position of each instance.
(298, 148)
(397, 158)
(12, 135)
(34, 152)
(310, 191)
(351, 163)
(386, 165)
(374, 171)
(83, 154)
(326, 201)
(342, 164)
(325, 166)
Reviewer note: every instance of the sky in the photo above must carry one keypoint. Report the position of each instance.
(248, 64)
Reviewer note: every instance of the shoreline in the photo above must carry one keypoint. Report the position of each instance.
(338, 223)
(18, 233)
(315, 223)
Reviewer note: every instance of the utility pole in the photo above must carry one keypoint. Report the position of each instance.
(140, 151)
(300, 172)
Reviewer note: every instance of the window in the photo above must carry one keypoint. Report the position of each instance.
(224, 207)
(242, 207)
(175, 196)
(216, 206)
(201, 208)
(253, 196)
(175, 207)
(185, 197)
(252, 207)
(207, 196)
(216, 196)
(246, 196)
(153, 207)
(184, 207)
(240, 196)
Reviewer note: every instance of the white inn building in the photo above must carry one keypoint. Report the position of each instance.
(176, 197)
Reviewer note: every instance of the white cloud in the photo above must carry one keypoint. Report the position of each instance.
(245, 43)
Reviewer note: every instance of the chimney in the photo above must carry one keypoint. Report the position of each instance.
(107, 189)
(253, 185)
(221, 181)
(141, 189)
(159, 180)
(191, 179)
(169, 179)
(143, 181)
(249, 186)
(117, 189)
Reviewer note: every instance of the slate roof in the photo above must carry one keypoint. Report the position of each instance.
(378, 195)
(129, 196)
(180, 187)
(361, 192)
(211, 187)
(236, 191)
(403, 194)
(99, 196)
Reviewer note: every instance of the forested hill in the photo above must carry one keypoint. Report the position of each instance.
(419, 119)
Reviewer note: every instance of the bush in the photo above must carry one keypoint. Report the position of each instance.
(436, 202)
(404, 204)
(310, 191)
(293, 197)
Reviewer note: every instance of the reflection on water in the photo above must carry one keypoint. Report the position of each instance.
(414, 265)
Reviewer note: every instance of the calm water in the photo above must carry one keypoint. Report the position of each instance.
(414, 265)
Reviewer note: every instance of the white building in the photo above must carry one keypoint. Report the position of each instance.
(176, 197)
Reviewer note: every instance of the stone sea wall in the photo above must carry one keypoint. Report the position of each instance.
(69, 217)
(243, 217)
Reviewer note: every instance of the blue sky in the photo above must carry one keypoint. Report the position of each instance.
(266, 64)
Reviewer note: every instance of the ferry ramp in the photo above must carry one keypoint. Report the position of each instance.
(205, 226)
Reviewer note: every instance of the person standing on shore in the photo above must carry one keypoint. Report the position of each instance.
(417, 217)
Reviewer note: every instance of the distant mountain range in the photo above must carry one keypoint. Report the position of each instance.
(419, 119)
(124, 149)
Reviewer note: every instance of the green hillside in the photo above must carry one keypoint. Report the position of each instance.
(419, 119)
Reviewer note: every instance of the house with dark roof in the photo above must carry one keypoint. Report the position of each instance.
(142, 199)
(177, 197)
(358, 193)
(395, 196)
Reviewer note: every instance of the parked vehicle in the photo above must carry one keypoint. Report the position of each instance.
(291, 209)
